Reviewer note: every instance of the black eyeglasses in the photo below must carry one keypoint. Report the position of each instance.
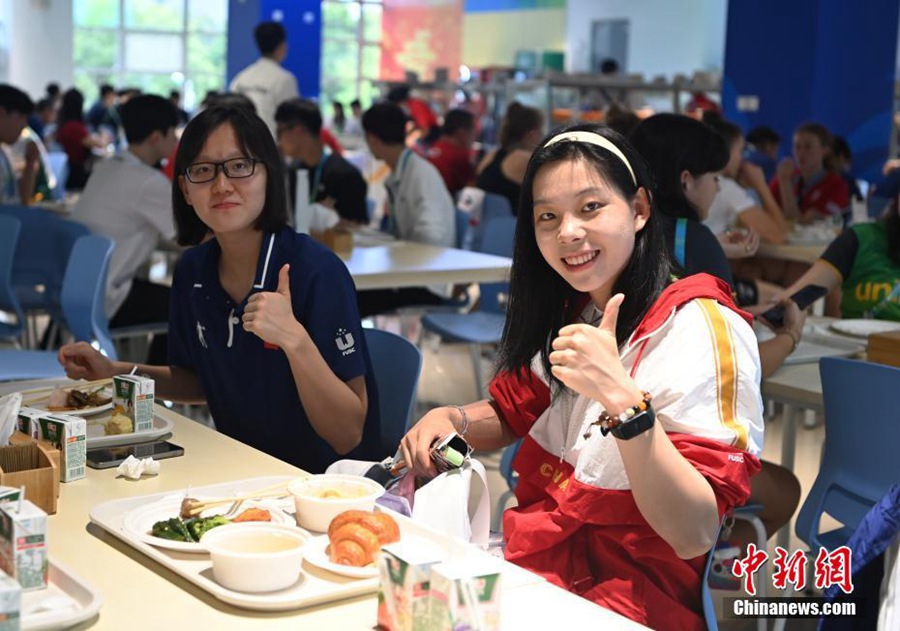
(201, 172)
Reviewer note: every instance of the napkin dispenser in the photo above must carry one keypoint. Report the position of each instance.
(30, 464)
(884, 348)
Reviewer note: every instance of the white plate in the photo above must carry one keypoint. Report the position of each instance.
(864, 328)
(139, 522)
(96, 435)
(315, 553)
(82, 412)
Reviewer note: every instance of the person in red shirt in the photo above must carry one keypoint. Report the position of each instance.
(452, 153)
(423, 117)
(805, 185)
(76, 139)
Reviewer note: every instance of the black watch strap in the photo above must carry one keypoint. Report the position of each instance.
(637, 424)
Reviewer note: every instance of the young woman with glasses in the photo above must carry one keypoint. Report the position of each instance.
(264, 326)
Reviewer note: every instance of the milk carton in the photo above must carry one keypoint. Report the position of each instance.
(10, 603)
(465, 595)
(405, 571)
(133, 399)
(68, 434)
(26, 420)
(23, 543)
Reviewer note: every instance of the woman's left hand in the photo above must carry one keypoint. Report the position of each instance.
(586, 359)
(270, 315)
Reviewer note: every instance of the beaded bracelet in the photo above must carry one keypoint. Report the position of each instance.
(607, 422)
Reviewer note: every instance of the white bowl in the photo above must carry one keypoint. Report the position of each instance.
(255, 557)
(315, 512)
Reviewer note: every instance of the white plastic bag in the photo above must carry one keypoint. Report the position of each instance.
(443, 504)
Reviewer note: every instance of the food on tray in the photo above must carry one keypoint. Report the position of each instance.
(190, 530)
(62, 400)
(355, 536)
(118, 424)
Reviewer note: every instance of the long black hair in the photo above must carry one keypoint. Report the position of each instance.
(255, 141)
(891, 222)
(672, 144)
(540, 300)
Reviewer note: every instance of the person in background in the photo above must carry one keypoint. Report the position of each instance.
(265, 81)
(43, 119)
(424, 120)
(338, 117)
(53, 93)
(130, 201)
(452, 153)
(596, 328)
(733, 207)
(15, 106)
(35, 174)
(863, 263)
(762, 149)
(97, 113)
(354, 123)
(807, 186)
(501, 171)
(76, 139)
(621, 120)
(183, 116)
(421, 209)
(333, 182)
(263, 323)
(843, 164)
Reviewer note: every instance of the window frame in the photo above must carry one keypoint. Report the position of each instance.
(359, 40)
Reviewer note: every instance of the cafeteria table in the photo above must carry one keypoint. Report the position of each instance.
(791, 252)
(139, 593)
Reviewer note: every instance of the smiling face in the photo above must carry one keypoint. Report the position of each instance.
(226, 205)
(585, 229)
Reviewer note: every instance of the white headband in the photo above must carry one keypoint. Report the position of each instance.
(594, 139)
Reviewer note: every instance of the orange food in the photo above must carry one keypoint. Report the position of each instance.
(254, 514)
(356, 536)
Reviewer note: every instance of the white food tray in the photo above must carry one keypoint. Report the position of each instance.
(65, 585)
(315, 587)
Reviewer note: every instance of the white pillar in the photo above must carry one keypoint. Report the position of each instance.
(39, 33)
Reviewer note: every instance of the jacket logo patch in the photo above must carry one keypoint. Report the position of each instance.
(200, 330)
(345, 342)
(736, 458)
(557, 476)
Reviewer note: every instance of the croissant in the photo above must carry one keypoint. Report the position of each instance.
(356, 536)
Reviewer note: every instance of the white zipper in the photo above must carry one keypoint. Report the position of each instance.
(232, 320)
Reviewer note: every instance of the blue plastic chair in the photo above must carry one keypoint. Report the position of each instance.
(9, 236)
(59, 163)
(512, 479)
(82, 296)
(859, 460)
(396, 363)
(486, 325)
(462, 230)
(492, 208)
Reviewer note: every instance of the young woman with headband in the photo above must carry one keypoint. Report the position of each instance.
(636, 396)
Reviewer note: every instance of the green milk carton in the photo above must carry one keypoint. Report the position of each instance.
(68, 434)
(23, 543)
(133, 399)
(465, 595)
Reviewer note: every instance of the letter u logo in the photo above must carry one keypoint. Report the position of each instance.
(345, 342)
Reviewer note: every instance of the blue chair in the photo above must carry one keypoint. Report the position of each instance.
(512, 479)
(492, 207)
(486, 325)
(9, 236)
(82, 295)
(396, 363)
(463, 238)
(859, 460)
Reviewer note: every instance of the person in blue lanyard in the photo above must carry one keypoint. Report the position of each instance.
(264, 325)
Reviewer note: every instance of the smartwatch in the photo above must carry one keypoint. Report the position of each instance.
(637, 424)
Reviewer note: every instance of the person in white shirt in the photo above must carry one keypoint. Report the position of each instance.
(265, 82)
(421, 209)
(129, 200)
(15, 106)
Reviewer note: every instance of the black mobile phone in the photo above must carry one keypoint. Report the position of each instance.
(804, 297)
(108, 457)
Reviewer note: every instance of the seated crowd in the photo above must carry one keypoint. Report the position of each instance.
(614, 235)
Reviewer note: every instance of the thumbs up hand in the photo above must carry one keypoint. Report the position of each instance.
(270, 315)
(586, 359)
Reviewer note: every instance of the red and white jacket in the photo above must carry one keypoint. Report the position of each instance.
(577, 523)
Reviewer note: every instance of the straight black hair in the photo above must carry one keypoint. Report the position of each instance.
(12, 99)
(457, 119)
(891, 222)
(269, 36)
(255, 141)
(386, 121)
(144, 114)
(540, 300)
(672, 144)
(72, 107)
(300, 112)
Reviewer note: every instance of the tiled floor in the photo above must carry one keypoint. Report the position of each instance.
(447, 378)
